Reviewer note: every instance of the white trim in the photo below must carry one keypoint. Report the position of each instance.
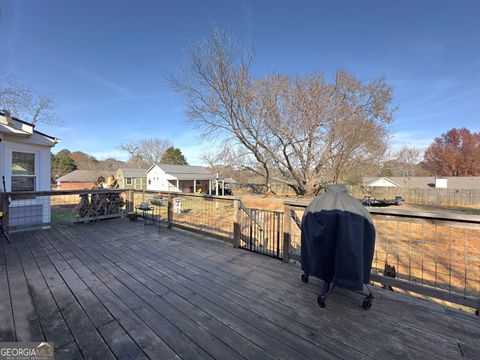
(9, 149)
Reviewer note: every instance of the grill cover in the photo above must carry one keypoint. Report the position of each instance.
(338, 239)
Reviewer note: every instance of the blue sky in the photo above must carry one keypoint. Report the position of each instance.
(106, 62)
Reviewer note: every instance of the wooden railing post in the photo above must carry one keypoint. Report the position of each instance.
(236, 223)
(286, 232)
(5, 210)
(130, 201)
(170, 211)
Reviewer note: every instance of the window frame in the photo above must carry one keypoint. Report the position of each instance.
(35, 169)
(128, 181)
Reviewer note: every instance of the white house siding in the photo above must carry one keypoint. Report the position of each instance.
(158, 180)
(28, 211)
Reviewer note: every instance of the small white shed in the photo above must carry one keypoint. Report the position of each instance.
(180, 178)
(25, 166)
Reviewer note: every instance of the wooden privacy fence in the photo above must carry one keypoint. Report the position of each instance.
(433, 196)
(437, 255)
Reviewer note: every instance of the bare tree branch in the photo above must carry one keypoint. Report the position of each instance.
(25, 104)
(146, 152)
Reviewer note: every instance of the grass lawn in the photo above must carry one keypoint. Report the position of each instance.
(62, 215)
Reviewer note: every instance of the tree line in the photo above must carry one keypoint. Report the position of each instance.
(66, 161)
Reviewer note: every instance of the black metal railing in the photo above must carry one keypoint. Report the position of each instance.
(261, 231)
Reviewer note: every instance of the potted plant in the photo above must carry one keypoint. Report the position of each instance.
(132, 216)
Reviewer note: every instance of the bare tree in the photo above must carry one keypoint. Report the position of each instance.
(25, 104)
(144, 153)
(407, 160)
(218, 160)
(231, 160)
(320, 132)
(302, 131)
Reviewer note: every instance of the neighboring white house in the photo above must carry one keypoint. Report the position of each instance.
(25, 166)
(183, 178)
(383, 181)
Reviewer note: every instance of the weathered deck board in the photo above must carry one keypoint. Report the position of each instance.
(27, 325)
(87, 338)
(7, 328)
(287, 323)
(116, 289)
(286, 336)
(53, 324)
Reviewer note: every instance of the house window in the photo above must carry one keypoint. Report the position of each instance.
(23, 171)
(129, 181)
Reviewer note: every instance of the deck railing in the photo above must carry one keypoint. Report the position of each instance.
(43, 209)
(206, 214)
(437, 255)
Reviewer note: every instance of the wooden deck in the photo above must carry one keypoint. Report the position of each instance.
(115, 289)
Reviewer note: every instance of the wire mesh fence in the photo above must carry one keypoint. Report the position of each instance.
(34, 210)
(421, 249)
(438, 254)
(158, 202)
(211, 215)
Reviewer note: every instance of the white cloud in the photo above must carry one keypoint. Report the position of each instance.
(416, 139)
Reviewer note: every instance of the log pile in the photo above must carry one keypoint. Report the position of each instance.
(95, 205)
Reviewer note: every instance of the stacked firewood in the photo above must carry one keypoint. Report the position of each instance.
(101, 204)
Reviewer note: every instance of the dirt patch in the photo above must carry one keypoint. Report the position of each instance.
(271, 202)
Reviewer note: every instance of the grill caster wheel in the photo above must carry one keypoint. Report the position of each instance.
(321, 302)
(367, 303)
(305, 278)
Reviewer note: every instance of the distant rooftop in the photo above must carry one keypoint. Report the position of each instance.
(187, 172)
(85, 175)
(133, 173)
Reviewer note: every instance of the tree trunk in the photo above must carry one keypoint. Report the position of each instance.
(310, 190)
(268, 182)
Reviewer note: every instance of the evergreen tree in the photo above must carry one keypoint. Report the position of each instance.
(173, 156)
(62, 164)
